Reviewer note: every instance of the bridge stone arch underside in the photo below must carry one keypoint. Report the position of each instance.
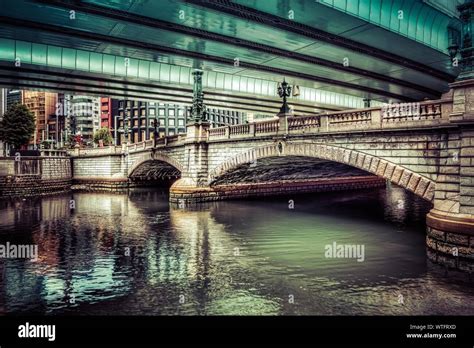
(399, 175)
(146, 161)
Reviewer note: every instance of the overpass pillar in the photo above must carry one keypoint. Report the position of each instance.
(450, 223)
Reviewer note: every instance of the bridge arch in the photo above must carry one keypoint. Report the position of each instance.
(420, 185)
(137, 161)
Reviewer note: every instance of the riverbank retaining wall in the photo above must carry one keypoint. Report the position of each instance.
(32, 176)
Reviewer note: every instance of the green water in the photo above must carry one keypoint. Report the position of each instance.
(134, 254)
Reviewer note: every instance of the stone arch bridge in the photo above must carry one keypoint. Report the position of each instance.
(429, 152)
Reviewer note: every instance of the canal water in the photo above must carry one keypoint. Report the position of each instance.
(134, 254)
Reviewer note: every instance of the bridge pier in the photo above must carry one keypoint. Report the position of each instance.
(194, 178)
(450, 224)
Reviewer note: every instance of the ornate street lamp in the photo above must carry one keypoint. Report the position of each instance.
(156, 124)
(284, 91)
(198, 109)
(125, 126)
(467, 51)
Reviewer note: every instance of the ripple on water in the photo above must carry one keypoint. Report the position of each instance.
(133, 254)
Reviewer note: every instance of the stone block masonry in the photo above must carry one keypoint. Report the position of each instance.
(34, 176)
(100, 185)
(32, 185)
(279, 188)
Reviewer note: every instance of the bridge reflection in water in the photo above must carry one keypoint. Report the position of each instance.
(134, 254)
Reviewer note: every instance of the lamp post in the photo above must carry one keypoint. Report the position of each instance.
(125, 126)
(156, 124)
(284, 91)
(467, 50)
(198, 109)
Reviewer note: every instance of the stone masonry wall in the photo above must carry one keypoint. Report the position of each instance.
(242, 191)
(53, 176)
(102, 167)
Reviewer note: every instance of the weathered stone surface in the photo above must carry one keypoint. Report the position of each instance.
(436, 234)
(381, 168)
(389, 171)
(457, 239)
(412, 184)
(397, 174)
(422, 186)
(405, 178)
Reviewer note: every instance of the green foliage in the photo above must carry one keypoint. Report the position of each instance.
(104, 135)
(17, 126)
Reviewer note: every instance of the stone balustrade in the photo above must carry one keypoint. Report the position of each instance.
(391, 116)
(351, 117)
(405, 112)
(53, 153)
(266, 127)
(303, 122)
(239, 129)
(218, 132)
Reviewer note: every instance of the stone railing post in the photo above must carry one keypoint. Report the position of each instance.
(324, 123)
(252, 129)
(376, 117)
(283, 123)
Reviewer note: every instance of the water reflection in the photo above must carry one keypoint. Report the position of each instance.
(134, 254)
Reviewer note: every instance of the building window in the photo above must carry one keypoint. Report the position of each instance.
(161, 112)
(152, 111)
(180, 112)
(143, 112)
(180, 122)
(171, 121)
(171, 112)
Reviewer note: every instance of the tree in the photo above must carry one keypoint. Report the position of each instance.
(17, 126)
(104, 135)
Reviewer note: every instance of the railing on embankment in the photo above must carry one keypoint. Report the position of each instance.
(127, 148)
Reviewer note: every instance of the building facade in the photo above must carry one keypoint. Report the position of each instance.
(171, 117)
(42, 105)
(13, 96)
(107, 105)
(84, 114)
